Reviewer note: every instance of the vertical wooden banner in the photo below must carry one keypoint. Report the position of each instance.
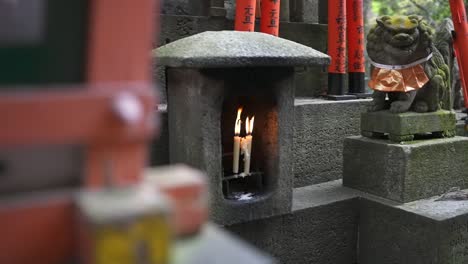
(269, 23)
(245, 15)
(337, 47)
(355, 32)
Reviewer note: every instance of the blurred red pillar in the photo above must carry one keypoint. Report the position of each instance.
(337, 46)
(355, 32)
(461, 41)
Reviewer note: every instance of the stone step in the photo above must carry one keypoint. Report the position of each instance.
(322, 228)
(330, 223)
(420, 232)
(320, 127)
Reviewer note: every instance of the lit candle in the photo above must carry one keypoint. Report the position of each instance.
(247, 144)
(237, 141)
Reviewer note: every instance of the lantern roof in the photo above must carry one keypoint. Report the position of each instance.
(225, 49)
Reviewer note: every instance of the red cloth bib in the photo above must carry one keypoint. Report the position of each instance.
(404, 80)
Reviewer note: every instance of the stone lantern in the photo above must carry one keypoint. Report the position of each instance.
(217, 81)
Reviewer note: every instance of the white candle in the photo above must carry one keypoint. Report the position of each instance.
(237, 143)
(247, 152)
(235, 160)
(247, 144)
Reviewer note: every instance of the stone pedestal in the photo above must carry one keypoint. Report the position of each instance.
(404, 127)
(405, 172)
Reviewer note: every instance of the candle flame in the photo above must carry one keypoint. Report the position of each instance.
(249, 125)
(237, 125)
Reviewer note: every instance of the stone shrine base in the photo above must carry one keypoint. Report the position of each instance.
(404, 127)
(405, 172)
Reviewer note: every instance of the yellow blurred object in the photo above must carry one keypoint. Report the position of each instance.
(152, 233)
(113, 245)
(125, 226)
(404, 80)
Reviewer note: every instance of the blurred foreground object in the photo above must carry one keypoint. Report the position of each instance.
(187, 188)
(76, 99)
(125, 225)
(214, 246)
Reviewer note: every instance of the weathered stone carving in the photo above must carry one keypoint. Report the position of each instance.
(407, 66)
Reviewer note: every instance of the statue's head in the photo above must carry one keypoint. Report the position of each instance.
(399, 39)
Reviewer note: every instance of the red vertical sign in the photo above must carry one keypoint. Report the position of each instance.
(355, 30)
(245, 15)
(269, 23)
(337, 36)
(461, 42)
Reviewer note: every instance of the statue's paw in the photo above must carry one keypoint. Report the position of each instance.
(399, 107)
(376, 107)
(421, 107)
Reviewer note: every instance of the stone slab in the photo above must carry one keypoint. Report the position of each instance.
(420, 232)
(405, 172)
(408, 124)
(322, 228)
(212, 49)
(320, 128)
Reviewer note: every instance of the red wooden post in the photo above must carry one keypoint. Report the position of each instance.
(337, 49)
(461, 42)
(355, 31)
(269, 23)
(245, 15)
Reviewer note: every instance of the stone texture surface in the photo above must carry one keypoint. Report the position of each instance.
(322, 228)
(461, 131)
(185, 7)
(195, 101)
(320, 128)
(420, 232)
(409, 123)
(323, 11)
(311, 11)
(159, 147)
(230, 6)
(405, 172)
(213, 49)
